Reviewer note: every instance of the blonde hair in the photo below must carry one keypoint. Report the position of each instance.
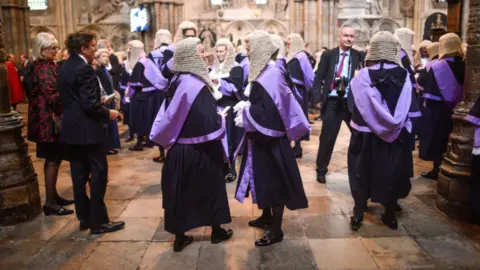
(42, 41)
(99, 53)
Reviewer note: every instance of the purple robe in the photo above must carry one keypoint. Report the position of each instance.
(296, 124)
(245, 64)
(307, 70)
(451, 91)
(374, 109)
(153, 75)
(157, 57)
(169, 121)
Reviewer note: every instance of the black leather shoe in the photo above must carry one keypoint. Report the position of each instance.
(63, 202)
(433, 174)
(48, 211)
(84, 225)
(260, 223)
(136, 147)
(180, 244)
(355, 223)
(221, 236)
(391, 223)
(322, 179)
(268, 240)
(159, 159)
(108, 227)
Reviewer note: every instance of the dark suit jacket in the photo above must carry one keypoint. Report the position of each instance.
(84, 117)
(326, 73)
(27, 73)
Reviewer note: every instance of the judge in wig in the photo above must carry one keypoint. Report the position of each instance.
(191, 128)
(128, 66)
(227, 77)
(163, 38)
(380, 160)
(443, 90)
(145, 81)
(186, 29)
(405, 37)
(271, 118)
(301, 72)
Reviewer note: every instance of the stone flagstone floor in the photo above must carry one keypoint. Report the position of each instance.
(315, 238)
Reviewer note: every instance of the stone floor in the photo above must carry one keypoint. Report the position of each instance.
(315, 238)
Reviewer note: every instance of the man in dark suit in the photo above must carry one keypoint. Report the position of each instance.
(336, 104)
(84, 132)
(26, 75)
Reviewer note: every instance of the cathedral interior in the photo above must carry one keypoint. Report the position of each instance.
(434, 229)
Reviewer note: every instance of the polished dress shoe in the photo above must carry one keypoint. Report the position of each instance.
(260, 223)
(84, 225)
(63, 202)
(181, 243)
(136, 147)
(355, 223)
(391, 223)
(220, 236)
(268, 240)
(433, 174)
(322, 179)
(49, 211)
(108, 227)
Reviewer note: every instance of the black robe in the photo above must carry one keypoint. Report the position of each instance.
(295, 71)
(139, 120)
(377, 169)
(155, 101)
(437, 116)
(113, 141)
(276, 175)
(193, 177)
(124, 106)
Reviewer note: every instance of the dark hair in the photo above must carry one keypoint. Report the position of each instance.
(76, 41)
(184, 31)
(324, 48)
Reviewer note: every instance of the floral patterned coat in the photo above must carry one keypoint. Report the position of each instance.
(45, 103)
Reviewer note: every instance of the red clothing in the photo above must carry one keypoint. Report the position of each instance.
(45, 102)
(14, 84)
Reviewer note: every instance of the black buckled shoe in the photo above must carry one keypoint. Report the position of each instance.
(108, 227)
(181, 243)
(355, 223)
(391, 223)
(48, 211)
(221, 236)
(260, 223)
(268, 240)
(433, 174)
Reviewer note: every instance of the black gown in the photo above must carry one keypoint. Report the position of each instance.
(139, 117)
(277, 179)
(155, 101)
(295, 71)
(124, 106)
(377, 169)
(193, 176)
(113, 141)
(437, 117)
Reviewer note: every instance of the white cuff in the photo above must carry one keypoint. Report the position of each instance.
(476, 151)
(248, 89)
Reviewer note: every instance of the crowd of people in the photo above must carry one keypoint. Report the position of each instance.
(250, 104)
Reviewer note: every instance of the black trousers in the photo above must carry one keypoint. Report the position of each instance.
(86, 160)
(333, 114)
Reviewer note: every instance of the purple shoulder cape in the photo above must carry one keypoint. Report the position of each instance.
(153, 75)
(293, 117)
(169, 122)
(282, 65)
(157, 56)
(374, 109)
(452, 92)
(307, 69)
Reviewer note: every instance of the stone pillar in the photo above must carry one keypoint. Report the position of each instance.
(453, 188)
(418, 22)
(66, 24)
(19, 194)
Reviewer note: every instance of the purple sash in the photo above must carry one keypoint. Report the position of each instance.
(153, 74)
(169, 122)
(307, 70)
(282, 65)
(451, 91)
(374, 109)
(293, 117)
(157, 56)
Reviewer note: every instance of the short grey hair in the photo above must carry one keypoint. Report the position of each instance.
(346, 26)
(42, 41)
(102, 43)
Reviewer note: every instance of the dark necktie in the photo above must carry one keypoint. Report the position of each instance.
(339, 70)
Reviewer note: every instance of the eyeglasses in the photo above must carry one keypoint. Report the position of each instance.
(52, 48)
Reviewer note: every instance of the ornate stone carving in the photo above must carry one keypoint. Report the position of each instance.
(385, 25)
(237, 30)
(274, 27)
(98, 10)
(407, 8)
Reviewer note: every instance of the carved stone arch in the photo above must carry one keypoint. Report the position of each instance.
(432, 20)
(41, 29)
(274, 27)
(120, 35)
(362, 29)
(237, 30)
(96, 29)
(385, 25)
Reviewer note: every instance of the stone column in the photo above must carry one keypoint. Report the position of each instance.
(19, 194)
(66, 24)
(418, 22)
(453, 188)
